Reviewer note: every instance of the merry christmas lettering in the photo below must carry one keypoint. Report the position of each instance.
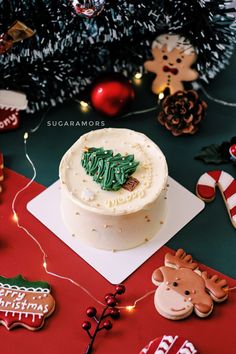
(25, 301)
(122, 200)
(146, 179)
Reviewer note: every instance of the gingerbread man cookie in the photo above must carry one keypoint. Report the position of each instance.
(183, 288)
(24, 303)
(173, 57)
(170, 345)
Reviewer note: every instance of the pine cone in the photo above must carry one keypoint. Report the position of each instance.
(182, 112)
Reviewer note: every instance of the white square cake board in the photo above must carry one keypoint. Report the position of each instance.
(182, 207)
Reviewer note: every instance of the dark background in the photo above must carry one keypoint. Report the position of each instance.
(210, 237)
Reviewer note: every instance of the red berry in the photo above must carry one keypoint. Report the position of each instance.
(86, 325)
(115, 313)
(111, 301)
(120, 289)
(107, 296)
(107, 325)
(91, 311)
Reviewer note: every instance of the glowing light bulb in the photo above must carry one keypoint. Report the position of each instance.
(130, 308)
(26, 135)
(15, 217)
(161, 96)
(44, 265)
(138, 76)
(83, 104)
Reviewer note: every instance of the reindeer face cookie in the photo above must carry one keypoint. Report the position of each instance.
(183, 288)
(173, 57)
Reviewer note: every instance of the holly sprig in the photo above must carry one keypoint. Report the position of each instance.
(217, 153)
(102, 322)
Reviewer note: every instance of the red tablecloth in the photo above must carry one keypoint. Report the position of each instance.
(62, 332)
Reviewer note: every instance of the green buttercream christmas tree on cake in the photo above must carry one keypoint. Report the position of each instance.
(109, 170)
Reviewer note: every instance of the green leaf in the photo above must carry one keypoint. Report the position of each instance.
(211, 154)
(22, 282)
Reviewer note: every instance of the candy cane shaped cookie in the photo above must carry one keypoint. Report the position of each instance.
(207, 183)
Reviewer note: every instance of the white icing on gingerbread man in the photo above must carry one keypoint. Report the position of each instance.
(173, 57)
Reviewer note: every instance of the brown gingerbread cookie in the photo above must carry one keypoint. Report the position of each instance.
(173, 57)
(183, 288)
(24, 303)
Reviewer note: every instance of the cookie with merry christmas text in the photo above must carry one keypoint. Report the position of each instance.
(24, 303)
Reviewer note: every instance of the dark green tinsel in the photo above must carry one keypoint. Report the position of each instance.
(69, 51)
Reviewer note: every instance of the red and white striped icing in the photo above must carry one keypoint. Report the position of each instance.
(9, 118)
(170, 345)
(227, 184)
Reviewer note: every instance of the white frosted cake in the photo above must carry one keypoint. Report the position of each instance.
(113, 189)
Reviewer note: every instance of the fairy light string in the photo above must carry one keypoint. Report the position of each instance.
(197, 86)
(16, 218)
(85, 106)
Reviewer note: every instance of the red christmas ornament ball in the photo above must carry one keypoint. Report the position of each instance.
(111, 95)
(88, 8)
(232, 151)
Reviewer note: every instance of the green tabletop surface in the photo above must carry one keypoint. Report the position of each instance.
(210, 237)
